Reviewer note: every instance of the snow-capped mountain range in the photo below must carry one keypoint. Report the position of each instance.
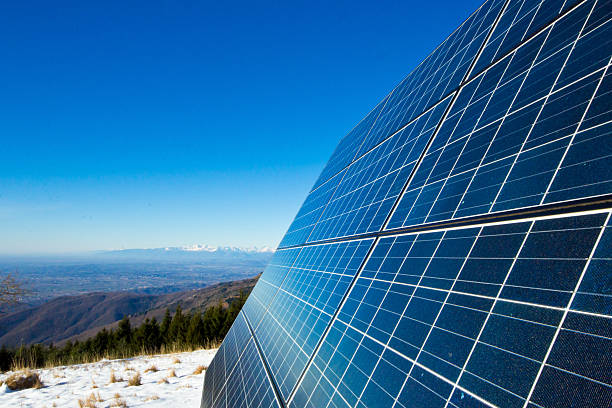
(192, 252)
(212, 248)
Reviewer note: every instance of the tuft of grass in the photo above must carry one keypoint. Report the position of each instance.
(135, 380)
(163, 381)
(172, 373)
(199, 370)
(23, 380)
(176, 361)
(118, 402)
(113, 378)
(152, 398)
(151, 369)
(90, 402)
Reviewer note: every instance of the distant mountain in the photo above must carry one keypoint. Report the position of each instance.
(79, 317)
(191, 253)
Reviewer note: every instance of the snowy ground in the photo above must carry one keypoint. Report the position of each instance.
(64, 386)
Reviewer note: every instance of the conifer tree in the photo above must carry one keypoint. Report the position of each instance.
(195, 331)
(165, 327)
(177, 326)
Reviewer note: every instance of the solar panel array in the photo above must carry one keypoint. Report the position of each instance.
(456, 251)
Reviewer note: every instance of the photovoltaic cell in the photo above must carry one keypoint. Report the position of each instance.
(456, 249)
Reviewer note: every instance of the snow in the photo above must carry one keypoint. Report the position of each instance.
(64, 386)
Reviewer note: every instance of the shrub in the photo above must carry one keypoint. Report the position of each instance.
(90, 402)
(199, 370)
(134, 381)
(22, 381)
(114, 378)
(118, 402)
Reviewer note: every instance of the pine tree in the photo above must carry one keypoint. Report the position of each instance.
(195, 331)
(177, 327)
(165, 327)
(125, 335)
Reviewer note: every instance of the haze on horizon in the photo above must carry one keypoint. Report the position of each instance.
(148, 125)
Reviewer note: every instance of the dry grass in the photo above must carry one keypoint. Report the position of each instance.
(163, 381)
(29, 360)
(172, 373)
(23, 380)
(91, 401)
(176, 361)
(93, 384)
(135, 380)
(151, 369)
(152, 398)
(118, 402)
(199, 370)
(113, 378)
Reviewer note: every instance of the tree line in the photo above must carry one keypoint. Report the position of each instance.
(178, 332)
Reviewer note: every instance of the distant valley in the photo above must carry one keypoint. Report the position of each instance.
(82, 316)
(141, 271)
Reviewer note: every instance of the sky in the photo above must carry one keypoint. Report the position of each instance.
(148, 124)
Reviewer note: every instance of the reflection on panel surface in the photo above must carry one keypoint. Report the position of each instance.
(456, 250)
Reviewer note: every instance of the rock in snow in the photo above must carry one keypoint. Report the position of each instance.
(167, 380)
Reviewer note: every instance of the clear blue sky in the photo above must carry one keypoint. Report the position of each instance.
(161, 123)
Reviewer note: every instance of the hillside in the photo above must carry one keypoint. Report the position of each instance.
(177, 382)
(78, 317)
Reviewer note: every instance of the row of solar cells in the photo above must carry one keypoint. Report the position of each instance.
(524, 131)
(497, 313)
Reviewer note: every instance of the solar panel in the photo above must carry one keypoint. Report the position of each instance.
(456, 250)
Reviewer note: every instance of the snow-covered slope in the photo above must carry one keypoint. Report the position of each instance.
(65, 386)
